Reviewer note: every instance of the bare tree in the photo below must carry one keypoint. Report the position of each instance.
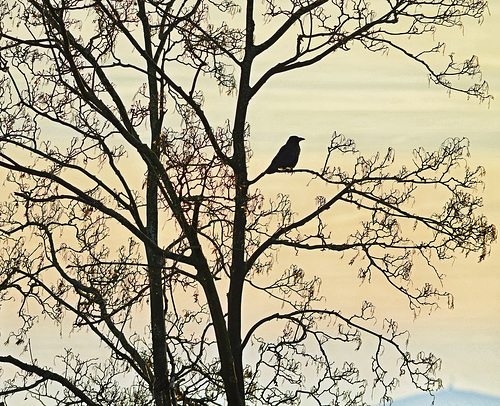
(96, 93)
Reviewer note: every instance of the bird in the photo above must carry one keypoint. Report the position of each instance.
(287, 157)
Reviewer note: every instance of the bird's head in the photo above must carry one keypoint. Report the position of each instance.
(294, 139)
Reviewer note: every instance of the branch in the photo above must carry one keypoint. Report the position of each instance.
(470, 67)
(48, 375)
(281, 231)
(177, 88)
(294, 63)
(83, 197)
(134, 359)
(286, 26)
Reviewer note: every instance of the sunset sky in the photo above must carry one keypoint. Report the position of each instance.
(381, 101)
(386, 101)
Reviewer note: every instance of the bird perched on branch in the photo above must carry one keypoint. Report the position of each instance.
(286, 158)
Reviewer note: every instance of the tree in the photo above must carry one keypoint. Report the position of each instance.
(87, 240)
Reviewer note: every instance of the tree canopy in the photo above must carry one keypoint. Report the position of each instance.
(131, 216)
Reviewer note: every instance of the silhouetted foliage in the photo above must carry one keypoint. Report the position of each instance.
(129, 216)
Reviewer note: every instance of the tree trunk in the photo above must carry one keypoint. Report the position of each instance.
(238, 267)
(155, 267)
(160, 369)
(161, 384)
(239, 164)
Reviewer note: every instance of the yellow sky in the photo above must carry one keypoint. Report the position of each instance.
(381, 101)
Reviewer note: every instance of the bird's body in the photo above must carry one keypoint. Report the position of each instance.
(287, 157)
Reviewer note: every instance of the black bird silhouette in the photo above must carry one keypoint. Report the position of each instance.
(286, 158)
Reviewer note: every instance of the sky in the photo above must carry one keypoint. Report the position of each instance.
(384, 101)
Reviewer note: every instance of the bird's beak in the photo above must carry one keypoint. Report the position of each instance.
(301, 139)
